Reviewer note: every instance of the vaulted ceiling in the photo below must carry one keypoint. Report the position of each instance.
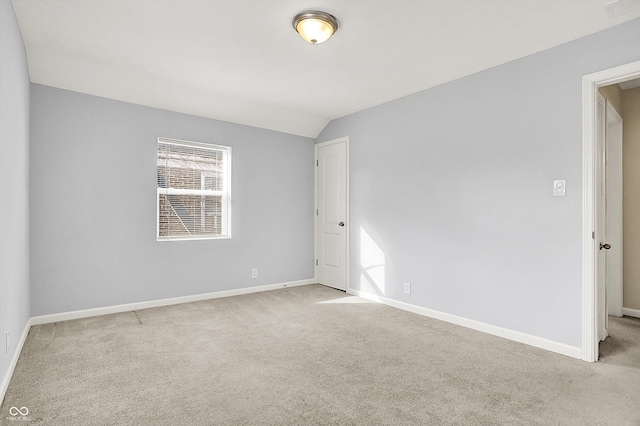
(241, 60)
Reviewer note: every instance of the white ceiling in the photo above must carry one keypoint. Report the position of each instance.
(241, 60)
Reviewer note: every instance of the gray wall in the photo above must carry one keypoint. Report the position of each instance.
(93, 206)
(14, 184)
(454, 186)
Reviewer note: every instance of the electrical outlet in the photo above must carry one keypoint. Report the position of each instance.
(407, 288)
(254, 273)
(6, 347)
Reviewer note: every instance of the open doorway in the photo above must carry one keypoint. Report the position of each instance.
(607, 239)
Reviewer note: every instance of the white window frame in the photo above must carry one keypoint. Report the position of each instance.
(225, 193)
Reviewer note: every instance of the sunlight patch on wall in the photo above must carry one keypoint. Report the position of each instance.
(372, 262)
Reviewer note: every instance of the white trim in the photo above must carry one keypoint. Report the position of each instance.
(517, 336)
(85, 313)
(589, 317)
(178, 191)
(191, 144)
(590, 85)
(347, 196)
(315, 206)
(227, 203)
(4, 385)
(631, 312)
(315, 212)
(194, 238)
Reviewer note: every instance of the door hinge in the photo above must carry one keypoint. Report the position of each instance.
(593, 235)
(316, 262)
(316, 163)
(316, 212)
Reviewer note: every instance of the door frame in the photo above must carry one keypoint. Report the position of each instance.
(317, 146)
(590, 85)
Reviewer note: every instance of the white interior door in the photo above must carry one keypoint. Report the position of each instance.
(614, 232)
(601, 229)
(331, 179)
(590, 204)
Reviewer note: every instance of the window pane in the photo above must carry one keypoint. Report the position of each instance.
(184, 171)
(212, 181)
(190, 215)
(183, 167)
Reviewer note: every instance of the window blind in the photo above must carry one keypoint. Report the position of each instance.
(193, 190)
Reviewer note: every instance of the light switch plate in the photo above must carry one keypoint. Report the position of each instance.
(559, 188)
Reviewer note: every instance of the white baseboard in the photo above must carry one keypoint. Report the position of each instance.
(4, 385)
(528, 339)
(85, 313)
(631, 312)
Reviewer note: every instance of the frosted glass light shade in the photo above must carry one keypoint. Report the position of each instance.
(315, 27)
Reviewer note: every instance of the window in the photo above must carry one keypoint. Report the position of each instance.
(193, 193)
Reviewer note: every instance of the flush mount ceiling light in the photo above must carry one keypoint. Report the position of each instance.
(314, 26)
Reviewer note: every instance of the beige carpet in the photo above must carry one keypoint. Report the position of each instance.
(310, 355)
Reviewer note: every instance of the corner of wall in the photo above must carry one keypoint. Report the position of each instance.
(14, 187)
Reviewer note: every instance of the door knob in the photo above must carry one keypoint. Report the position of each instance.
(605, 246)
(341, 224)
